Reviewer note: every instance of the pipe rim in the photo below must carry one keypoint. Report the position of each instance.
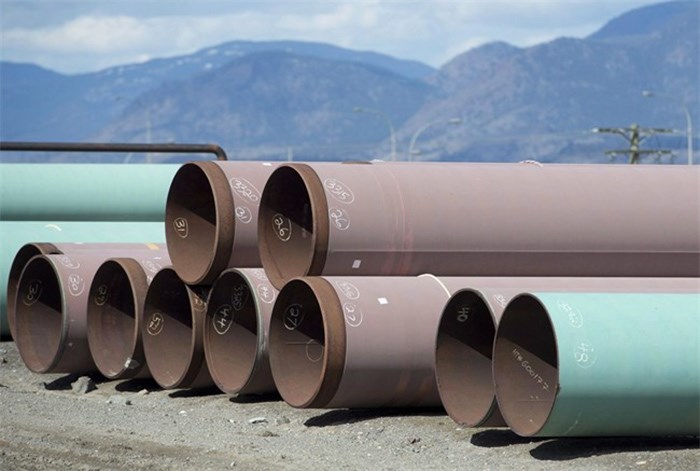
(307, 381)
(231, 356)
(200, 225)
(525, 351)
(463, 359)
(24, 254)
(293, 200)
(168, 330)
(40, 343)
(126, 278)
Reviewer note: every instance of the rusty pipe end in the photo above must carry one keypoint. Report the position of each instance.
(524, 359)
(463, 362)
(293, 224)
(40, 327)
(199, 222)
(114, 309)
(171, 330)
(24, 254)
(307, 342)
(235, 336)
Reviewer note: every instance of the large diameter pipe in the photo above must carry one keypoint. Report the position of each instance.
(468, 323)
(490, 220)
(114, 312)
(51, 318)
(172, 332)
(236, 329)
(15, 234)
(622, 364)
(211, 217)
(357, 341)
(84, 192)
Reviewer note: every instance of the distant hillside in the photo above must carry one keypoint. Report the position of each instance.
(282, 98)
(274, 99)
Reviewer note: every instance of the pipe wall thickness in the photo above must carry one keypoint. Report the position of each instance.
(51, 318)
(467, 331)
(236, 342)
(357, 341)
(84, 192)
(211, 217)
(114, 312)
(471, 220)
(15, 234)
(621, 364)
(172, 332)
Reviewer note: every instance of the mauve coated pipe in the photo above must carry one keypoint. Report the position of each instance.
(236, 331)
(51, 318)
(27, 251)
(490, 220)
(357, 341)
(172, 332)
(599, 364)
(114, 311)
(467, 329)
(211, 217)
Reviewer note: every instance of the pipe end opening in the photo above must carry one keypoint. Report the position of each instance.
(526, 365)
(464, 358)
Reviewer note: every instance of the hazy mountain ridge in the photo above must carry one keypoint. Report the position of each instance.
(261, 102)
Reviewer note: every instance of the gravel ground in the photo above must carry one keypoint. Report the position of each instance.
(45, 424)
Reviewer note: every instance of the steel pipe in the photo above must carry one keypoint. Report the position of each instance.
(51, 319)
(114, 312)
(70, 231)
(490, 220)
(357, 341)
(239, 308)
(172, 332)
(622, 364)
(211, 217)
(467, 330)
(84, 192)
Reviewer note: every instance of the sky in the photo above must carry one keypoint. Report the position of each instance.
(74, 36)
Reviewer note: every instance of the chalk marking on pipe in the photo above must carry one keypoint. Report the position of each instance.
(54, 227)
(573, 314)
(349, 290)
(438, 280)
(34, 290)
(243, 214)
(155, 324)
(339, 190)
(181, 227)
(67, 262)
(585, 355)
(239, 296)
(245, 189)
(223, 319)
(282, 227)
(76, 284)
(293, 316)
(463, 313)
(501, 300)
(356, 264)
(101, 295)
(340, 218)
(353, 314)
(265, 293)
(308, 354)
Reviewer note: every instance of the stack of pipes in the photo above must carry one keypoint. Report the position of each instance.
(512, 294)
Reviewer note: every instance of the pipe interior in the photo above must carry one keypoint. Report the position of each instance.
(191, 198)
(39, 315)
(287, 238)
(463, 358)
(297, 344)
(24, 254)
(525, 365)
(168, 329)
(111, 319)
(231, 332)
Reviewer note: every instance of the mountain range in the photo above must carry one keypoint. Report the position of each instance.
(288, 99)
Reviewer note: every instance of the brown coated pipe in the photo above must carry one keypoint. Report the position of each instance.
(51, 318)
(114, 311)
(27, 251)
(236, 329)
(172, 332)
(490, 220)
(357, 341)
(211, 217)
(464, 344)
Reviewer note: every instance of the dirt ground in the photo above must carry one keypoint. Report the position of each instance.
(45, 424)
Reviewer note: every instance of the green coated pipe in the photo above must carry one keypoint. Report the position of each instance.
(15, 234)
(615, 364)
(84, 192)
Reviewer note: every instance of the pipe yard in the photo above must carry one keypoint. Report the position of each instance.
(223, 314)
